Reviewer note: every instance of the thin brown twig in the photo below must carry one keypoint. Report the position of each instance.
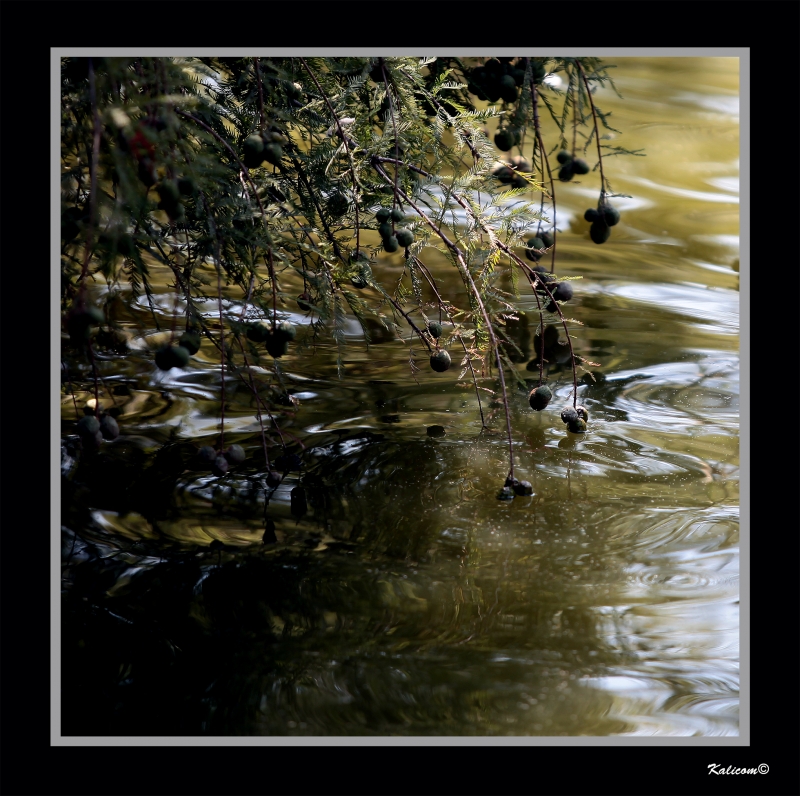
(346, 142)
(596, 131)
(464, 269)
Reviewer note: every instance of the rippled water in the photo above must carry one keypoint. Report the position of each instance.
(408, 600)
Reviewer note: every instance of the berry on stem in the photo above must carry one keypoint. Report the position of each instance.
(235, 454)
(599, 232)
(440, 361)
(190, 341)
(219, 466)
(569, 414)
(539, 397)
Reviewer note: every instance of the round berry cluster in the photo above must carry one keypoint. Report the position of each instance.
(92, 430)
(393, 238)
(221, 461)
(576, 418)
(177, 356)
(601, 218)
(277, 338)
(259, 147)
(501, 78)
(570, 166)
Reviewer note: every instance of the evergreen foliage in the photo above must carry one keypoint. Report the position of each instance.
(249, 174)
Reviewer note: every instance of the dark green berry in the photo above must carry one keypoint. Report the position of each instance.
(547, 238)
(253, 148)
(611, 215)
(109, 427)
(390, 244)
(577, 426)
(539, 397)
(273, 154)
(436, 431)
(508, 89)
(235, 454)
(538, 71)
(206, 454)
(504, 174)
(504, 140)
(523, 488)
(440, 361)
(172, 356)
(88, 426)
(397, 214)
(385, 230)
(276, 345)
(384, 214)
(599, 232)
(569, 414)
(582, 413)
(580, 166)
(190, 341)
(405, 237)
(591, 215)
(532, 245)
(521, 164)
(506, 493)
(303, 301)
(491, 88)
(359, 282)
(219, 466)
(563, 291)
(543, 275)
(257, 332)
(337, 205)
(563, 157)
(435, 329)
(273, 479)
(565, 173)
(286, 331)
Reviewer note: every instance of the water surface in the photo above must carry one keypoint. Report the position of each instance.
(408, 600)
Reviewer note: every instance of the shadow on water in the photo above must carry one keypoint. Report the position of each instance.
(379, 619)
